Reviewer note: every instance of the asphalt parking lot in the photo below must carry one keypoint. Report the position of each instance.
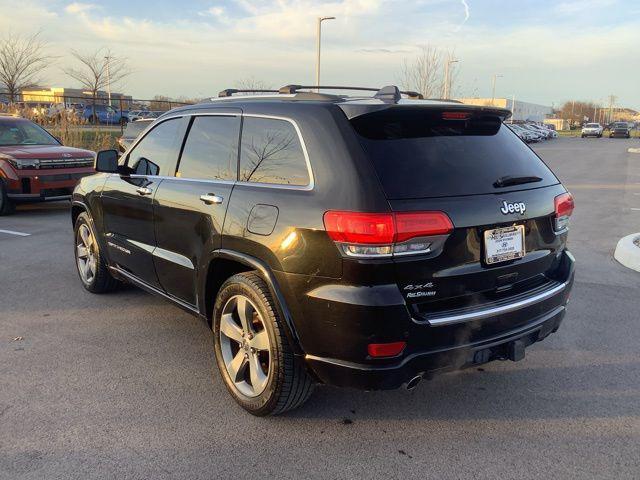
(125, 385)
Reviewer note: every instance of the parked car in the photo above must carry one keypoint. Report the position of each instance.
(538, 135)
(131, 132)
(523, 133)
(103, 114)
(620, 129)
(592, 130)
(35, 166)
(545, 132)
(328, 239)
(136, 115)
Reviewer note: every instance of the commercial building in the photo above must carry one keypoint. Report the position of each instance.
(73, 95)
(523, 111)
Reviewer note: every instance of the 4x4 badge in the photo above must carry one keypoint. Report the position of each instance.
(513, 207)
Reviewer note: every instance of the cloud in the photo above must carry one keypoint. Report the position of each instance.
(217, 12)
(197, 52)
(78, 7)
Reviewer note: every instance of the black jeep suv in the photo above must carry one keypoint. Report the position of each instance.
(355, 241)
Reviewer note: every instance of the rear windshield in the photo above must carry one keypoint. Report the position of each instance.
(419, 154)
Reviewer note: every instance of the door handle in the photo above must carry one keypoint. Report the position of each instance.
(211, 198)
(144, 191)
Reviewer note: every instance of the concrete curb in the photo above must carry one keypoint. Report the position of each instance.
(633, 150)
(628, 253)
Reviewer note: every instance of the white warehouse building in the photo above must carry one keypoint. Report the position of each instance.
(524, 111)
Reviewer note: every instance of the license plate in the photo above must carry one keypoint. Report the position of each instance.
(504, 244)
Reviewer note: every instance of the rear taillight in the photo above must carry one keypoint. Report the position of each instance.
(564, 205)
(385, 234)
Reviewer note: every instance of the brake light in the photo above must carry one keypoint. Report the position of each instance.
(386, 349)
(564, 206)
(455, 115)
(384, 234)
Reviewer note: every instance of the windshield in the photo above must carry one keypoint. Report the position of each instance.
(419, 154)
(592, 125)
(20, 132)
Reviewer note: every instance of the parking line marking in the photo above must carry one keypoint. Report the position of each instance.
(636, 209)
(19, 234)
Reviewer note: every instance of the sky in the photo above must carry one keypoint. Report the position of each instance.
(546, 51)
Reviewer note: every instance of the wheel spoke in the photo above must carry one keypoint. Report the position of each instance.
(82, 251)
(230, 328)
(245, 312)
(260, 341)
(256, 375)
(92, 265)
(84, 266)
(85, 235)
(236, 367)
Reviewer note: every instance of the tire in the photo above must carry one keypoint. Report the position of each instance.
(582, 136)
(98, 279)
(286, 384)
(7, 207)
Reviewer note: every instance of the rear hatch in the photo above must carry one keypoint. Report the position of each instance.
(497, 192)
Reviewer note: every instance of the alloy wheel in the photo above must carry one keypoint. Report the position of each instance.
(86, 253)
(245, 346)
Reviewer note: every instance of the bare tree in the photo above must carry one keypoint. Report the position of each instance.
(98, 70)
(425, 72)
(252, 83)
(22, 58)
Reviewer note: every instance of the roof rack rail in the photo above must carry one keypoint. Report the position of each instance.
(230, 91)
(380, 92)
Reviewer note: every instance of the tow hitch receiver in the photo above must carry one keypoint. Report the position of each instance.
(516, 350)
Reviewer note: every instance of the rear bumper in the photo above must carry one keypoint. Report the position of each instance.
(500, 332)
(427, 364)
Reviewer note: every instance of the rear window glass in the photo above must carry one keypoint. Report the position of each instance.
(271, 152)
(419, 154)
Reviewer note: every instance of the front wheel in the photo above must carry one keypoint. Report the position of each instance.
(256, 362)
(7, 207)
(90, 262)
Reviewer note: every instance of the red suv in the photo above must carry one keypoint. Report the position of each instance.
(35, 166)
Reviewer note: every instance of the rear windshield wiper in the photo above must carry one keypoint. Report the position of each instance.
(509, 180)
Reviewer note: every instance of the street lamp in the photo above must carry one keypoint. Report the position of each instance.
(107, 59)
(319, 35)
(447, 77)
(493, 90)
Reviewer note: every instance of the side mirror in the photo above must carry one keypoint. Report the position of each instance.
(107, 161)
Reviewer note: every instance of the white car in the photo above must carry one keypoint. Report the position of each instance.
(592, 130)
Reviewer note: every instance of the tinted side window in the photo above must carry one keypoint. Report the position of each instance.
(271, 153)
(211, 150)
(157, 152)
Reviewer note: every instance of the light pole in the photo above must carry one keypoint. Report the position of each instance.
(447, 77)
(319, 36)
(493, 88)
(107, 59)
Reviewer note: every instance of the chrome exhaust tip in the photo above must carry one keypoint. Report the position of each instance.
(413, 383)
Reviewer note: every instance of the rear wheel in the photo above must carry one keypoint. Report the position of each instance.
(90, 262)
(7, 207)
(253, 355)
